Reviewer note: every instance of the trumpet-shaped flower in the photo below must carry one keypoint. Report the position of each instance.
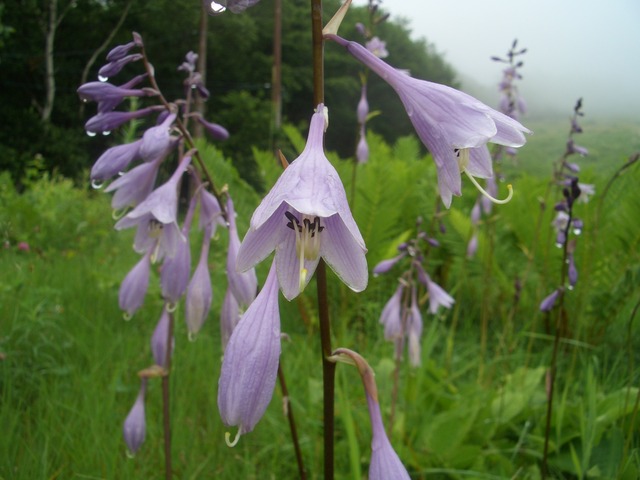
(134, 286)
(244, 286)
(135, 425)
(115, 160)
(199, 291)
(306, 216)
(454, 126)
(250, 364)
(159, 340)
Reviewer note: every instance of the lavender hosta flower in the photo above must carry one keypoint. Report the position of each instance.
(135, 426)
(572, 272)
(113, 68)
(414, 330)
(454, 126)
(199, 291)
(158, 214)
(244, 286)
(157, 141)
(573, 148)
(587, 190)
(159, 340)
(363, 106)
(174, 276)
(108, 96)
(134, 287)
(134, 186)
(306, 216)
(106, 122)
(217, 132)
(210, 212)
(476, 213)
(547, 304)
(120, 51)
(391, 316)
(362, 150)
(115, 160)
(437, 295)
(229, 317)
(472, 246)
(386, 265)
(250, 364)
(377, 47)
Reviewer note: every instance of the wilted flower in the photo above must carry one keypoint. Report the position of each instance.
(250, 364)
(135, 426)
(306, 216)
(453, 125)
(385, 463)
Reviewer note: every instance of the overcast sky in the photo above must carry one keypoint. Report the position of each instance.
(576, 48)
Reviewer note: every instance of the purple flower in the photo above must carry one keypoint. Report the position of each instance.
(362, 150)
(162, 203)
(199, 291)
(134, 186)
(572, 272)
(120, 51)
(115, 160)
(306, 216)
(453, 125)
(135, 425)
(113, 68)
(159, 339)
(106, 122)
(472, 246)
(363, 106)
(573, 148)
(244, 286)
(385, 463)
(229, 317)
(250, 364)
(414, 330)
(134, 287)
(174, 276)
(391, 316)
(107, 95)
(547, 304)
(377, 47)
(437, 295)
(210, 212)
(586, 191)
(386, 265)
(157, 141)
(217, 132)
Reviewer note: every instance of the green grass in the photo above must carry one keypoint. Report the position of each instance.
(68, 374)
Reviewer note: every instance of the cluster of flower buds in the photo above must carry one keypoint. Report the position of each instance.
(511, 103)
(401, 315)
(565, 223)
(140, 201)
(378, 48)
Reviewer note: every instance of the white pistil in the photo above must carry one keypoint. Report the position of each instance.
(307, 244)
(486, 194)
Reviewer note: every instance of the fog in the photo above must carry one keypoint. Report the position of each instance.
(576, 48)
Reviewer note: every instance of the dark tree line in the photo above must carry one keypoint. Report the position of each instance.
(45, 41)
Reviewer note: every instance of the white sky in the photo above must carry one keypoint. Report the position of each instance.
(576, 48)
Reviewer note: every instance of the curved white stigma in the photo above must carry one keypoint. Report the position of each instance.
(486, 194)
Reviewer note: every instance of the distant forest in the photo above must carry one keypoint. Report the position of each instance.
(46, 45)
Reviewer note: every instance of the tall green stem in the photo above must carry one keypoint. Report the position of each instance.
(166, 412)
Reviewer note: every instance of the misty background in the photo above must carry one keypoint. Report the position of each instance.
(576, 48)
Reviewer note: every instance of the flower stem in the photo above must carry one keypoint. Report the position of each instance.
(166, 412)
(328, 367)
(292, 422)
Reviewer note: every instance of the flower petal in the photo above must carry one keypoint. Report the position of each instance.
(344, 254)
(288, 267)
(259, 243)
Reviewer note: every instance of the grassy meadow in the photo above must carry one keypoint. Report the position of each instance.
(475, 409)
